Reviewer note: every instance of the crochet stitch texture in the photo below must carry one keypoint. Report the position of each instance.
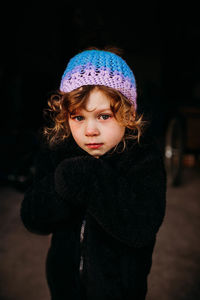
(99, 67)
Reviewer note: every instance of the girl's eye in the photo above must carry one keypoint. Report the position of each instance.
(105, 117)
(78, 118)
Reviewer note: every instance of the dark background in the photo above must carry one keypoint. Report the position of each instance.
(159, 42)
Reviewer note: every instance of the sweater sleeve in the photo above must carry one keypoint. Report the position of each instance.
(43, 210)
(128, 199)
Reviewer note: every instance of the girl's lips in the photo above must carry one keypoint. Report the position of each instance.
(94, 146)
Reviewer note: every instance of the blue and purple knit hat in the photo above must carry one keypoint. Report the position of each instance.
(99, 67)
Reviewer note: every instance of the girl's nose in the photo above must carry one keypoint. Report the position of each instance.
(91, 130)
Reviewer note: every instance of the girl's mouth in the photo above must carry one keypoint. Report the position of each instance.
(94, 146)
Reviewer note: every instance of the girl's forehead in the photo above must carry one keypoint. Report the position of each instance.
(97, 100)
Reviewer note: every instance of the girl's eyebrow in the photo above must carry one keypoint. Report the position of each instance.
(102, 109)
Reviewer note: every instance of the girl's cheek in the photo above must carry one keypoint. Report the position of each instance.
(74, 125)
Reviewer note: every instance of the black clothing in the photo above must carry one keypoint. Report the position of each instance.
(120, 196)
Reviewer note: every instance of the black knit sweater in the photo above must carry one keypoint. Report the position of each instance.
(121, 196)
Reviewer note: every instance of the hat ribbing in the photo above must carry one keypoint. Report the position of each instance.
(99, 67)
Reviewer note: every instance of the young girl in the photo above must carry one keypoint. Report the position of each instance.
(100, 184)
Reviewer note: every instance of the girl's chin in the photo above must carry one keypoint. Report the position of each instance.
(95, 152)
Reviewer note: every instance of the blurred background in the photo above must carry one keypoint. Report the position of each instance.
(161, 45)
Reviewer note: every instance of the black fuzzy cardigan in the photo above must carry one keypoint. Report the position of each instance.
(121, 197)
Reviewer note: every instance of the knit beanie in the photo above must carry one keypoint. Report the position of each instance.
(99, 67)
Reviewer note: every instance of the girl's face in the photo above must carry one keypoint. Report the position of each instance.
(95, 129)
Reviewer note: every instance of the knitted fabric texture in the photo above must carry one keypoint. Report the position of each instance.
(98, 67)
